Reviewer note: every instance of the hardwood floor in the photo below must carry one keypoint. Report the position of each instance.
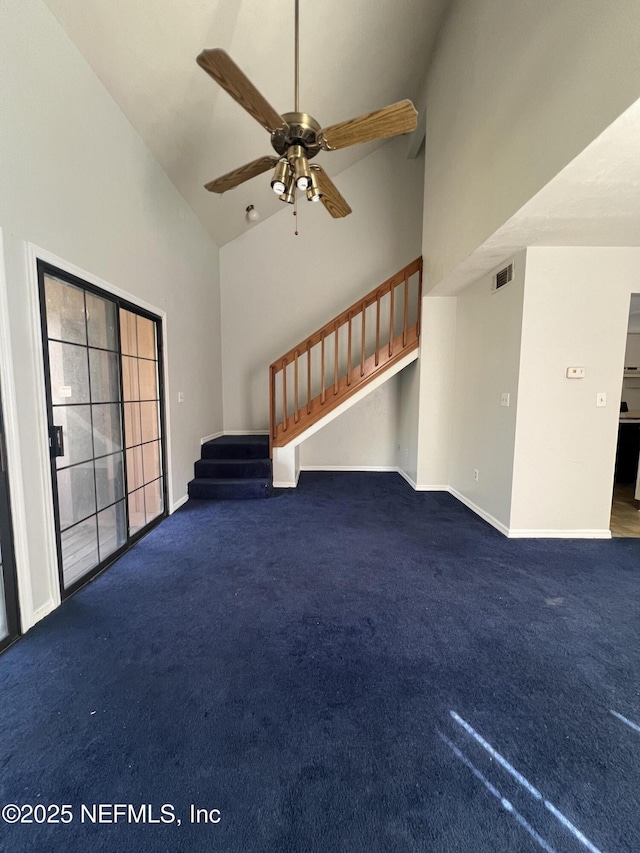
(625, 517)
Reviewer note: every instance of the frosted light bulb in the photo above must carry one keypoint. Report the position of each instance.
(252, 214)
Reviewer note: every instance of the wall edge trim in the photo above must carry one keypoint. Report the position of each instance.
(484, 515)
(541, 533)
(211, 437)
(177, 504)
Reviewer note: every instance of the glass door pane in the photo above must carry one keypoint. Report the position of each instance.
(105, 411)
(84, 380)
(145, 481)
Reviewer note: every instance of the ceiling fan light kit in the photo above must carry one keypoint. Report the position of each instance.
(289, 195)
(280, 177)
(297, 137)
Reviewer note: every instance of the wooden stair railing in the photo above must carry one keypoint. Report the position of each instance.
(345, 354)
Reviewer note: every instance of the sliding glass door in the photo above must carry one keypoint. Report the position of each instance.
(103, 378)
(9, 616)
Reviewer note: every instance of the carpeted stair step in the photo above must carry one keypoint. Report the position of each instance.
(210, 488)
(237, 447)
(232, 469)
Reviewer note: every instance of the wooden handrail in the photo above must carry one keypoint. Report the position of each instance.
(389, 348)
(341, 319)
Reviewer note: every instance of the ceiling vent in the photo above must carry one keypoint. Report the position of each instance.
(503, 277)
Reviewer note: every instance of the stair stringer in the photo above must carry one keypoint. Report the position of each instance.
(286, 460)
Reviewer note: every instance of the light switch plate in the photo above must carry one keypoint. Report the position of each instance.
(575, 372)
(601, 398)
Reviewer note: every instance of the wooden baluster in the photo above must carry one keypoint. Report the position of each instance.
(406, 311)
(377, 328)
(392, 319)
(335, 361)
(364, 330)
(293, 356)
(296, 415)
(308, 377)
(349, 353)
(272, 401)
(322, 368)
(284, 395)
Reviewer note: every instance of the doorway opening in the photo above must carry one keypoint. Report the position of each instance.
(105, 404)
(625, 510)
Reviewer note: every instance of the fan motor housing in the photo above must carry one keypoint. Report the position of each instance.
(301, 129)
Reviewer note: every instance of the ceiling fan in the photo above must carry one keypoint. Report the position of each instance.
(297, 137)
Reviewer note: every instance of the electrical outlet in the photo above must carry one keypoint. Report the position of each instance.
(475, 474)
(181, 396)
(504, 400)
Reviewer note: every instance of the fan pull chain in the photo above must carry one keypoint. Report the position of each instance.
(295, 213)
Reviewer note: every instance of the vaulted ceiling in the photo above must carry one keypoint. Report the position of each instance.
(355, 57)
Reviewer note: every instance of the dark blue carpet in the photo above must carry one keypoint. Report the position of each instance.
(330, 669)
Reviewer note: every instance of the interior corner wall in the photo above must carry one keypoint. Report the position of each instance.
(436, 391)
(278, 288)
(514, 91)
(407, 421)
(576, 311)
(483, 431)
(79, 182)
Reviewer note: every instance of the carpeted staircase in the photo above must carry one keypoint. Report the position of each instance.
(233, 467)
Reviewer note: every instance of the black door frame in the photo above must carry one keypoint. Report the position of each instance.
(45, 268)
(12, 606)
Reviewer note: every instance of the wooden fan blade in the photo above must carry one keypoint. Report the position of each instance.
(239, 176)
(226, 73)
(331, 198)
(389, 121)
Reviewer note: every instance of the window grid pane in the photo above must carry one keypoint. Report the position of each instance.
(87, 376)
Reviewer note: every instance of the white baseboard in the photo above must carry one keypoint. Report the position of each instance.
(210, 437)
(422, 487)
(486, 516)
(355, 468)
(389, 469)
(534, 533)
(284, 484)
(558, 534)
(233, 432)
(409, 480)
(177, 504)
(42, 611)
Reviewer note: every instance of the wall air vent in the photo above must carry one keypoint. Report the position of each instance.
(503, 277)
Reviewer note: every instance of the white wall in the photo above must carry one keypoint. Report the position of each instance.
(407, 426)
(515, 91)
(487, 362)
(77, 181)
(436, 393)
(278, 288)
(576, 310)
(340, 443)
